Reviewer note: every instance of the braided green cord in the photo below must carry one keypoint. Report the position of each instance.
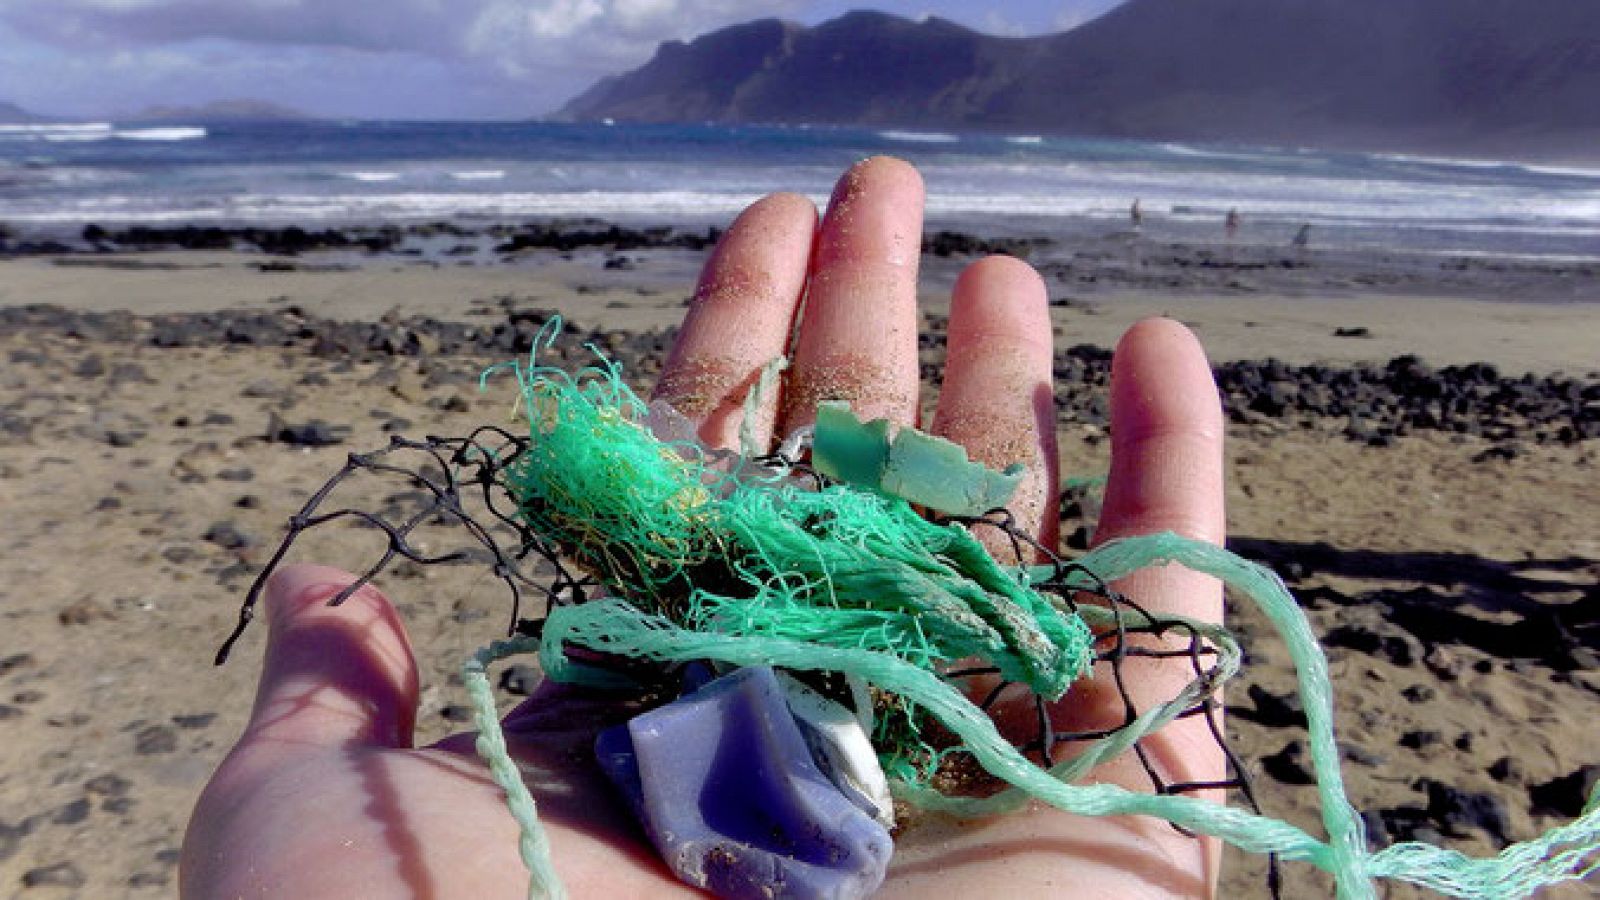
(736, 571)
(1013, 798)
(533, 845)
(1519, 870)
(1346, 833)
(612, 625)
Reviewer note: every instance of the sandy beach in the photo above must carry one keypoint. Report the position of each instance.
(163, 412)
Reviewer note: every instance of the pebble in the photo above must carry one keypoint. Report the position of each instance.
(108, 785)
(1566, 795)
(315, 433)
(227, 536)
(1457, 810)
(11, 837)
(71, 813)
(14, 662)
(1508, 769)
(1420, 738)
(1419, 693)
(1274, 710)
(520, 679)
(1397, 648)
(91, 366)
(155, 739)
(1291, 765)
(63, 874)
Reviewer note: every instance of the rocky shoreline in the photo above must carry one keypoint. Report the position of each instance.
(1084, 264)
(1376, 403)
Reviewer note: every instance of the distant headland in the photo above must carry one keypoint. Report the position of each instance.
(1498, 78)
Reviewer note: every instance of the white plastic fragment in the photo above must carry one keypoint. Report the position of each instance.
(841, 749)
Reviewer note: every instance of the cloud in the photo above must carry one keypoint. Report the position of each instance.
(521, 56)
(518, 35)
(597, 36)
(404, 58)
(1077, 12)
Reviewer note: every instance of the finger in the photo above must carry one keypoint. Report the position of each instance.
(997, 399)
(333, 676)
(1166, 475)
(1166, 450)
(740, 319)
(858, 331)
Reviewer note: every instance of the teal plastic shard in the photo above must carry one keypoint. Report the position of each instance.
(914, 466)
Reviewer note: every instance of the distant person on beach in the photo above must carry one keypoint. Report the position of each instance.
(325, 795)
(1230, 223)
(1302, 238)
(1136, 214)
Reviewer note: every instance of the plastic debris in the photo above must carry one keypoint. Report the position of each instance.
(724, 783)
(913, 465)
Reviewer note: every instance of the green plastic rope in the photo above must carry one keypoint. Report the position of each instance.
(719, 562)
(532, 845)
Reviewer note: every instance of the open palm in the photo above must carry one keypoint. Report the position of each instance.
(325, 795)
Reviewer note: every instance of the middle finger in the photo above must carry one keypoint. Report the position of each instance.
(858, 331)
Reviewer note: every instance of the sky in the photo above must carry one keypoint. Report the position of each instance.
(392, 59)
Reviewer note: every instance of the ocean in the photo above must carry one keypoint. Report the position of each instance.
(57, 178)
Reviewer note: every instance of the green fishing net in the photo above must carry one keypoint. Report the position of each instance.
(688, 555)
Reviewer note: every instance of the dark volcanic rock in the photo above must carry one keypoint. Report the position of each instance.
(1508, 769)
(11, 836)
(15, 662)
(1566, 796)
(108, 785)
(71, 813)
(1378, 405)
(1457, 810)
(520, 679)
(227, 536)
(155, 739)
(1422, 737)
(315, 433)
(62, 874)
(1291, 765)
(1272, 710)
(1397, 648)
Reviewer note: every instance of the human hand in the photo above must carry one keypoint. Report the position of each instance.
(324, 795)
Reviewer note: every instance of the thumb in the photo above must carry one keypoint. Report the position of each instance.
(333, 675)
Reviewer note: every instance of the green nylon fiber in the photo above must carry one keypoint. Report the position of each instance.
(725, 563)
(750, 554)
(614, 626)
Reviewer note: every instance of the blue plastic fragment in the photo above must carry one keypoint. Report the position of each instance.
(725, 787)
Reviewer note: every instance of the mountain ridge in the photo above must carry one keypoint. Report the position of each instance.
(1505, 77)
(12, 114)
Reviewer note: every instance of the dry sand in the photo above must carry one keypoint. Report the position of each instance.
(141, 491)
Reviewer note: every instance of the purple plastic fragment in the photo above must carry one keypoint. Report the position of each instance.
(727, 790)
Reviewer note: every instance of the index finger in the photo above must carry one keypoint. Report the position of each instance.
(740, 318)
